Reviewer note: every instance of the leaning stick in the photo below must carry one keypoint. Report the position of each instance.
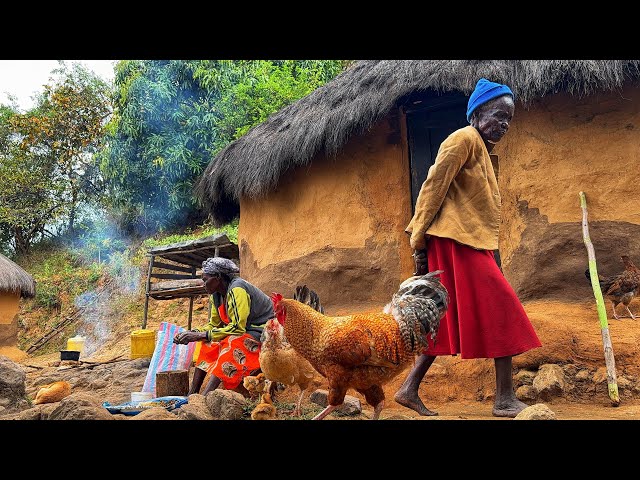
(602, 311)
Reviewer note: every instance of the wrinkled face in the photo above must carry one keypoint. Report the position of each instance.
(492, 119)
(212, 283)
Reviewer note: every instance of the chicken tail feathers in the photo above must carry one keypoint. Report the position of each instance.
(418, 306)
(304, 295)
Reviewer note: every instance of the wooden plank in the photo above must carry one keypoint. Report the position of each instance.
(168, 266)
(177, 284)
(173, 276)
(198, 244)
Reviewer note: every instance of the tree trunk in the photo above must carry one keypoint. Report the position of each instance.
(172, 383)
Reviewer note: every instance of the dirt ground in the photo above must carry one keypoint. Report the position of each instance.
(463, 389)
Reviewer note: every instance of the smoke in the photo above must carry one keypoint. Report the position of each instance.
(106, 252)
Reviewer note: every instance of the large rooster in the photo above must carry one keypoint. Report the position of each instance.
(365, 350)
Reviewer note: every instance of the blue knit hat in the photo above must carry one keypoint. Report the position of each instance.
(485, 91)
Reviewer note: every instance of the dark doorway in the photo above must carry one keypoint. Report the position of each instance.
(429, 122)
(430, 119)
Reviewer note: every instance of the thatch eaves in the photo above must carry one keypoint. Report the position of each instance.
(356, 99)
(14, 279)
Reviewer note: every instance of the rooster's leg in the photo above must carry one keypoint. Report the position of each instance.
(615, 315)
(297, 412)
(325, 412)
(632, 315)
(377, 409)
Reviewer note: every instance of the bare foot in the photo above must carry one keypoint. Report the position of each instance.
(509, 409)
(414, 403)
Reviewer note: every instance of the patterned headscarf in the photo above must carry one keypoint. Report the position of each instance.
(219, 265)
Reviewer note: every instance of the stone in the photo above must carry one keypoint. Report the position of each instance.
(549, 382)
(539, 411)
(350, 406)
(225, 404)
(583, 375)
(524, 377)
(526, 392)
(196, 409)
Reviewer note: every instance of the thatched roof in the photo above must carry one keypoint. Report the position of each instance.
(353, 101)
(13, 278)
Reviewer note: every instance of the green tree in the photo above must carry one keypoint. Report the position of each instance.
(172, 117)
(67, 126)
(30, 195)
(47, 169)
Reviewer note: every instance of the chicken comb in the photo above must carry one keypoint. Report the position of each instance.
(275, 299)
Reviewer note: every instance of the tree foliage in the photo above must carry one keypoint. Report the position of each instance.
(47, 169)
(171, 117)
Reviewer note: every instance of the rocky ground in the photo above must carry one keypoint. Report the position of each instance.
(566, 380)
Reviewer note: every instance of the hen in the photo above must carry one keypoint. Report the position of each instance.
(279, 361)
(364, 351)
(621, 288)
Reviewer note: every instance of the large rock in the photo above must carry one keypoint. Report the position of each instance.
(225, 404)
(350, 406)
(196, 409)
(13, 395)
(550, 381)
(526, 393)
(539, 411)
(80, 406)
(155, 413)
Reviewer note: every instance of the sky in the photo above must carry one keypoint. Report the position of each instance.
(24, 78)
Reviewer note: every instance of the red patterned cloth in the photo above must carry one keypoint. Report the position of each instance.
(485, 318)
(231, 359)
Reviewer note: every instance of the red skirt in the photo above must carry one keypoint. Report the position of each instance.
(485, 318)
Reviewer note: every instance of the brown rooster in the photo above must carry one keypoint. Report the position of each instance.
(280, 363)
(364, 351)
(621, 288)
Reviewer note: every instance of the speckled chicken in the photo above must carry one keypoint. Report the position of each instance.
(364, 351)
(621, 288)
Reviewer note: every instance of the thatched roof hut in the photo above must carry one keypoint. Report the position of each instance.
(325, 187)
(14, 279)
(356, 99)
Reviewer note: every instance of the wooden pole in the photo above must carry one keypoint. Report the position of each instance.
(602, 311)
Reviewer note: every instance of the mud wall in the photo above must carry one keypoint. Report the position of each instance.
(559, 146)
(9, 305)
(336, 225)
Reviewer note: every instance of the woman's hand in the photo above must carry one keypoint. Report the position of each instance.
(420, 260)
(187, 337)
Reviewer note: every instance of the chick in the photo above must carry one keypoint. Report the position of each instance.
(254, 384)
(265, 410)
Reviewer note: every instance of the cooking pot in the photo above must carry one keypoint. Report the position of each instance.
(69, 355)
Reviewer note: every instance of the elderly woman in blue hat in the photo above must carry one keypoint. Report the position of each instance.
(455, 229)
(230, 341)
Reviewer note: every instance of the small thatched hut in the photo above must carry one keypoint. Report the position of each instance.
(15, 283)
(325, 187)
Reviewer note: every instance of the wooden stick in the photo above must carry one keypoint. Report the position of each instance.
(602, 311)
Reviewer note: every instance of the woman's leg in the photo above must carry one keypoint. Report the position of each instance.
(407, 394)
(506, 403)
(196, 381)
(212, 385)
